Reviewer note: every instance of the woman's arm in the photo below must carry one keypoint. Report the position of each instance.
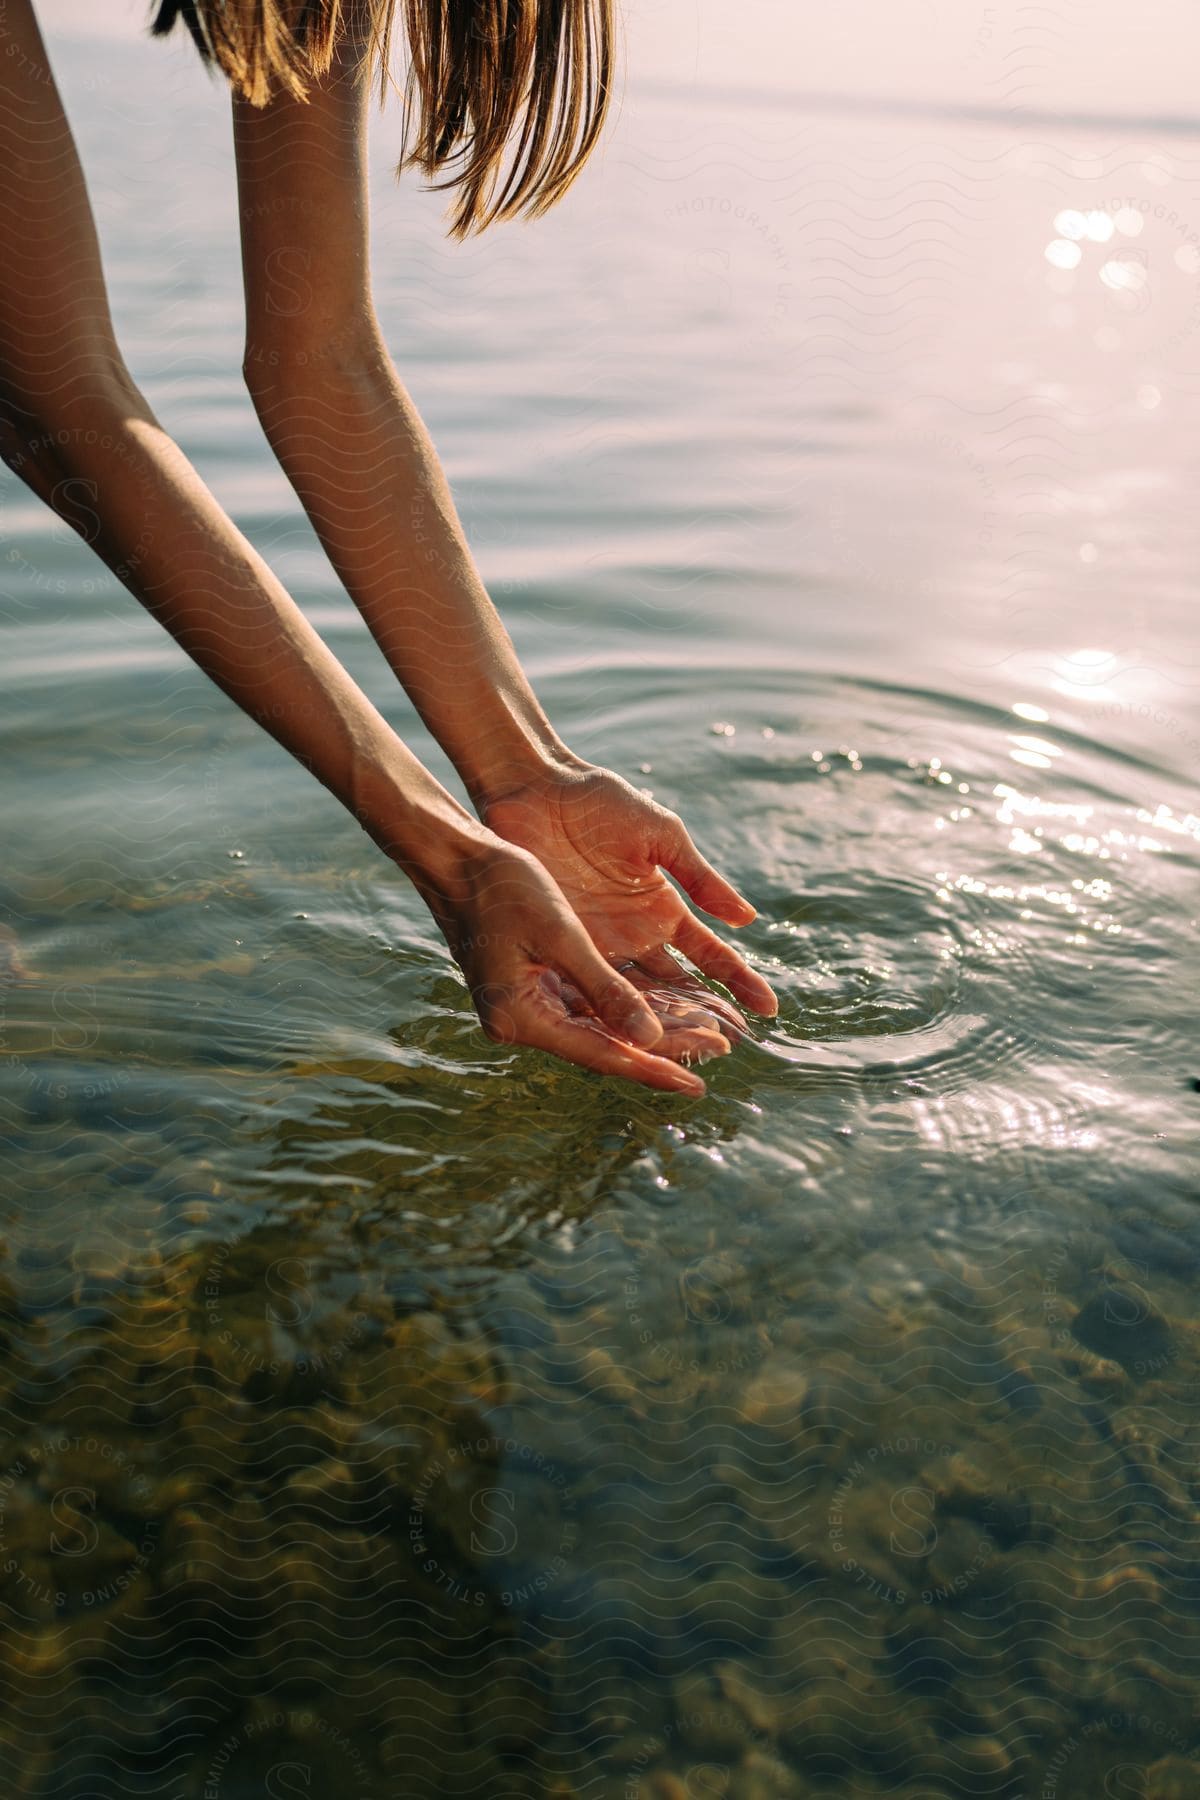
(351, 440)
(356, 451)
(79, 432)
(75, 427)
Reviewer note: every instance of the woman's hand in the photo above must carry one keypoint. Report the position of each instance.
(606, 845)
(536, 977)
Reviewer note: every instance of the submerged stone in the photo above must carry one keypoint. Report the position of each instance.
(1123, 1328)
(1173, 1778)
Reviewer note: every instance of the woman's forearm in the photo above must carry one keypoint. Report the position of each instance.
(361, 460)
(111, 471)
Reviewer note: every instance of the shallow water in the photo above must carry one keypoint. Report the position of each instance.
(390, 1412)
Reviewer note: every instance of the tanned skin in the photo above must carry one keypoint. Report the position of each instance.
(553, 899)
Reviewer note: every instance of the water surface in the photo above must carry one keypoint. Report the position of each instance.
(387, 1411)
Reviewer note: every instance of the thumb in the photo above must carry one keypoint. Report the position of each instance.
(699, 880)
(613, 999)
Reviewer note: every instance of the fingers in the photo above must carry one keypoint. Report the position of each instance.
(691, 1043)
(720, 960)
(693, 1018)
(677, 994)
(610, 996)
(677, 854)
(586, 1041)
(679, 1011)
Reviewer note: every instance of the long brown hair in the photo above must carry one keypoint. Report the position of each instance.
(479, 72)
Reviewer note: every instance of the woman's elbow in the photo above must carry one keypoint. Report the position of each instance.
(54, 429)
(289, 358)
(86, 395)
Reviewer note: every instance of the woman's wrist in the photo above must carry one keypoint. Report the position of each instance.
(527, 764)
(415, 822)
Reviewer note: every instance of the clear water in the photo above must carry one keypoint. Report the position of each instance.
(387, 1412)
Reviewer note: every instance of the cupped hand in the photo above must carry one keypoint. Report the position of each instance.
(536, 977)
(607, 847)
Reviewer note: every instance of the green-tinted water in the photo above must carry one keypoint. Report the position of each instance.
(386, 1412)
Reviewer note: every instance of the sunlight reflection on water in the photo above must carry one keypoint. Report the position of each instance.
(526, 1434)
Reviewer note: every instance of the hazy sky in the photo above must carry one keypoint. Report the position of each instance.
(1128, 56)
